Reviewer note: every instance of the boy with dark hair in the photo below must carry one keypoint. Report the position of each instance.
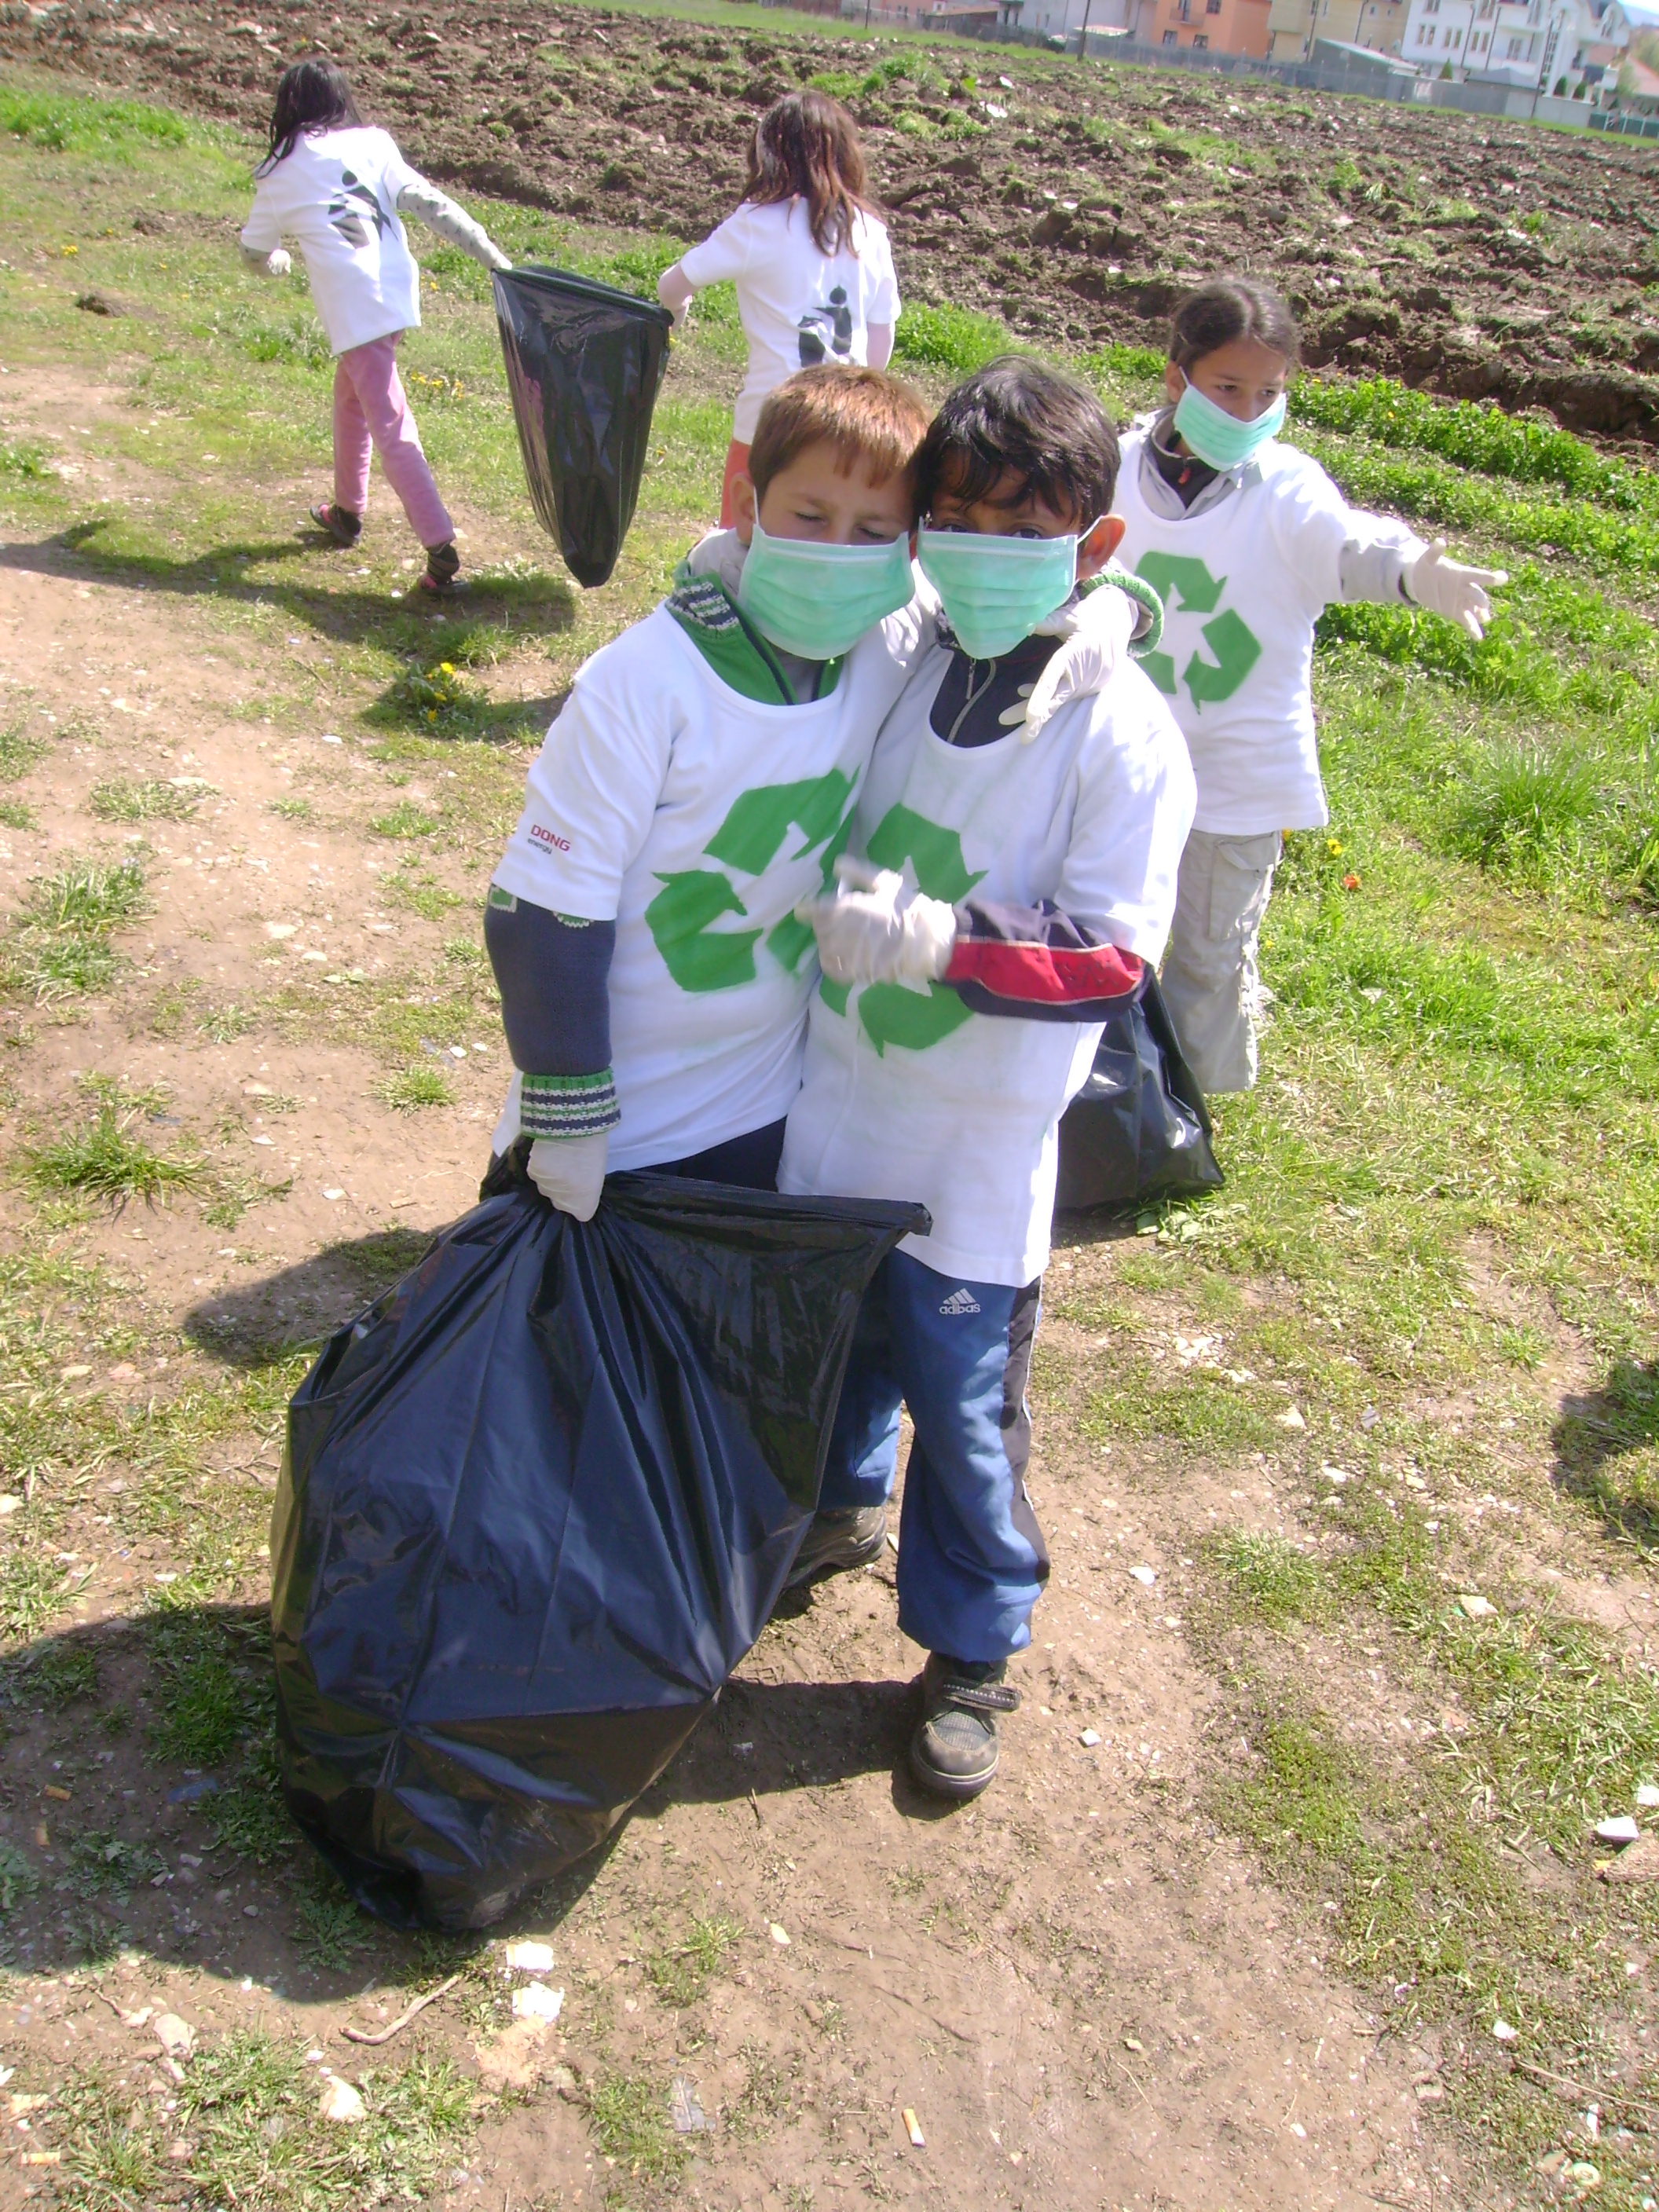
(697, 784)
(1002, 890)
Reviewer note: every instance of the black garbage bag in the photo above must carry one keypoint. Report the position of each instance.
(1139, 1128)
(537, 1503)
(583, 365)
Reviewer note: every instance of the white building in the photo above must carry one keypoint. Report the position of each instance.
(1530, 44)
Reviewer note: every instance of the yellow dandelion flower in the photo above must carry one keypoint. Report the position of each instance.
(1333, 845)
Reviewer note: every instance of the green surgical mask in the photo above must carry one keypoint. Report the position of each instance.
(995, 591)
(1221, 438)
(818, 600)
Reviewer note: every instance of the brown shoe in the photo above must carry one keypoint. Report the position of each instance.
(954, 1752)
(837, 1542)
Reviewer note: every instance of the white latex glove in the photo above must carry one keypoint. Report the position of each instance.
(1447, 587)
(570, 1170)
(878, 928)
(1097, 631)
(277, 263)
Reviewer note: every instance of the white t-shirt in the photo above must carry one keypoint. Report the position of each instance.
(908, 1095)
(696, 819)
(1242, 584)
(337, 196)
(798, 306)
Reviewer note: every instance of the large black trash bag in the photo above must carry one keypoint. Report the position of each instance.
(583, 365)
(1139, 1128)
(537, 1503)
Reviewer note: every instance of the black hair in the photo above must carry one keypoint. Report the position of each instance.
(311, 95)
(1228, 308)
(1019, 418)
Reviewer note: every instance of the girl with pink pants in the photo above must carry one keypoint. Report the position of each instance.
(340, 188)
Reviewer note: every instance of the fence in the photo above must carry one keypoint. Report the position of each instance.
(1339, 70)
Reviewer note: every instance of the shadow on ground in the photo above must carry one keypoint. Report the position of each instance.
(1605, 1444)
(533, 605)
(163, 1828)
(260, 1320)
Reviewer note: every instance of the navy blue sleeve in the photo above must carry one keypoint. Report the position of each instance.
(554, 975)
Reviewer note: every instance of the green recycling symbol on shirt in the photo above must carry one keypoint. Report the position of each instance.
(1230, 638)
(889, 1013)
(682, 916)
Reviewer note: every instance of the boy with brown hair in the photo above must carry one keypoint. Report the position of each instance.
(697, 785)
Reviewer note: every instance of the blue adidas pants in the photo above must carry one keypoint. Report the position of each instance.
(972, 1561)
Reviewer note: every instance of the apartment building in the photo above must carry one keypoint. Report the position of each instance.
(1227, 27)
(1293, 25)
(1530, 44)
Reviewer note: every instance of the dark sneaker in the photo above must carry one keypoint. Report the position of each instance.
(341, 524)
(443, 568)
(838, 1541)
(954, 1752)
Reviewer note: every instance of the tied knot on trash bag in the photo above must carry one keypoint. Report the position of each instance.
(584, 363)
(536, 1504)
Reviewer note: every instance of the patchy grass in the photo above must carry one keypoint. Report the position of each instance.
(412, 1088)
(105, 1159)
(680, 1974)
(629, 2114)
(138, 799)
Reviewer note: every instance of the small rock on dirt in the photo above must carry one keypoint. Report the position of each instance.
(340, 2103)
(1621, 1829)
(1504, 2033)
(779, 1935)
(1145, 1575)
(1290, 1418)
(1476, 1607)
(685, 2108)
(176, 2036)
(1638, 1861)
(1089, 1738)
(537, 2001)
(1647, 1795)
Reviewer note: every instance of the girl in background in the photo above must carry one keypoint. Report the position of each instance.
(809, 255)
(338, 188)
(1248, 541)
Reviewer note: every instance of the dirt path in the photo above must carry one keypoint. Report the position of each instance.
(1080, 1987)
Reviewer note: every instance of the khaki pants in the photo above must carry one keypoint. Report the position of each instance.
(1210, 979)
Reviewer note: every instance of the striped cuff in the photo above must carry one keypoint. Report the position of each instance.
(568, 1105)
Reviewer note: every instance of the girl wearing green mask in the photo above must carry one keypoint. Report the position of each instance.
(1248, 541)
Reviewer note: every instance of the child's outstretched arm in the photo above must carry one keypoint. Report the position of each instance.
(453, 224)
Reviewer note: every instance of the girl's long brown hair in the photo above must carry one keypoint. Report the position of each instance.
(806, 146)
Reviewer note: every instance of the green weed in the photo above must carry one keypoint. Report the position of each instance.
(32, 1590)
(19, 1877)
(105, 1864)
(62, 123)
(61, 939)
(628, 2115)
(331, 1929)
(950, 338)
(411, 1088)
(405, 820)
(211, 1702)
(20, 749)
(138, 800)
(1528, 814)
(294, 810)
(106, 1160)
(224, 1024)
(27, 462)
(14, 815)
(60, 1675)
(679, 1975)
